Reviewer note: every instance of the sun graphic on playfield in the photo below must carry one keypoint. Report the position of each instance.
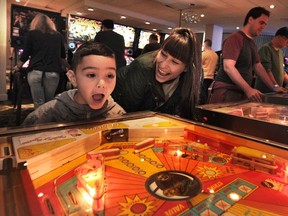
(136, 206)
(209, 172)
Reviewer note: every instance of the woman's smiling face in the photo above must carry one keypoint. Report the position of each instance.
(167, 67)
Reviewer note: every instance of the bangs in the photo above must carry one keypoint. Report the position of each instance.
(178, 47)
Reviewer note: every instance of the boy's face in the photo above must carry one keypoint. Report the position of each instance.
(95, 79)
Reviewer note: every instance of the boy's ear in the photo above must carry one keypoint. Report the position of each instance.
(72, 77)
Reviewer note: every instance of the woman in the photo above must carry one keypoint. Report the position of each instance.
(164, 81)
(45, 48)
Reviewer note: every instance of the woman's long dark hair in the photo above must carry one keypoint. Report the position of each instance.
(182, 44)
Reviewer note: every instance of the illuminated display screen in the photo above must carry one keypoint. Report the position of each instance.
(82, 29)
(127, 32)
(166, 36)
(144, 38)
(21, 17)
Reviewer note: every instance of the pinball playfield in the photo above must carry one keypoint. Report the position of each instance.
(163, 166)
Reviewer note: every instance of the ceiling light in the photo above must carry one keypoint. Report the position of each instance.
(90, 9)
(79, 13)
(169, 28)
(147, 23)
(123, 17)
(189, 16)
(272, 6)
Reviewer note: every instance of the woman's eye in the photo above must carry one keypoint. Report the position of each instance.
(111, 76)
(163, 54)
(175, 62)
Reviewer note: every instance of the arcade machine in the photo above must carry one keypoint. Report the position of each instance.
(143, 164)
(263, 120)
(144, 39)
(129, 36)
(81, 29)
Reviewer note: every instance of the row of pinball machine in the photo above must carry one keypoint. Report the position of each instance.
(233, 161)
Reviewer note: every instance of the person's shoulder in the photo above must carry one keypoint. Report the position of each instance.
(115, 108)
(234, 39)
(152, 46)
(118, 35)
(266, 46)
(265, 49)
(235, 35)
(146, 59)
(43, 114)
(100, 34)
(34, 33)
(204, 53)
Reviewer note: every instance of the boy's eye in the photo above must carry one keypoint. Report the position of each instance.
(91, 75)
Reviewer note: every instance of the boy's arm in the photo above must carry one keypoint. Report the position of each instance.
(43, 114)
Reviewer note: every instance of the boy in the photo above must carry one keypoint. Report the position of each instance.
(93, 75)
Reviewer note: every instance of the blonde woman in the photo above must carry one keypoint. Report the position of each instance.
(44, 46)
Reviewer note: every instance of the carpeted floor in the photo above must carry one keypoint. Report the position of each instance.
(9, 117)
(8, 114)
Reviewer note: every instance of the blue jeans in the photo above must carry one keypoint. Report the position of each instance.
(42, 92)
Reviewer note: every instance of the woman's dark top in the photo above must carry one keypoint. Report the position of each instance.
(45, 51)
(137, 89)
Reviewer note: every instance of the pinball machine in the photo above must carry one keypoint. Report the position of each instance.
(265, 120)
(151, 164)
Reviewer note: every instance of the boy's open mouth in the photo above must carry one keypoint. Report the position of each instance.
(98, 97)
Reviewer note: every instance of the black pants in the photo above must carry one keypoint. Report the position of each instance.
(204, 90)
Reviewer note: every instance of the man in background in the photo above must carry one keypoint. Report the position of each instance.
(209, 63)
(233, 81)
(152, 45)
(272, 59)
(113, 40)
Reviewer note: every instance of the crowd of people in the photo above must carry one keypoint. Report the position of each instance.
(172, 77)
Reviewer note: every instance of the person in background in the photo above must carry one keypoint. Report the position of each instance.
(272, 58)
(240, 58)
(44, 46)
(152, 45)
(209, 63)
(166, 81)
(113, 40)
(93, 75)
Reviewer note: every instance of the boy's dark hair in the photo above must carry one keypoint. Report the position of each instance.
(208, 42)
(107, 23)
(255, 13)
(90, 48)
